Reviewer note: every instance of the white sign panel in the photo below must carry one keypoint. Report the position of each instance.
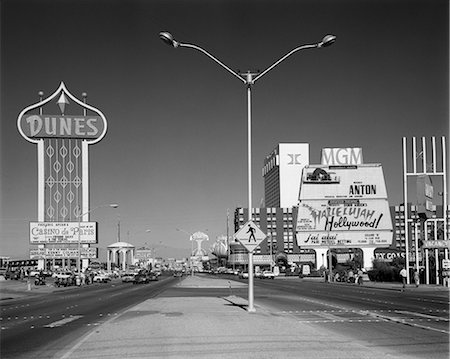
(62, 253)
(250, 236)
(293, 157)
(359, 182)
(344, 239)
(344, 215)
(63, 232)
(346, 222)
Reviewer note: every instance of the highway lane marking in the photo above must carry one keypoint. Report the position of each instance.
(62, 322)
(405, 322)
(422, 315)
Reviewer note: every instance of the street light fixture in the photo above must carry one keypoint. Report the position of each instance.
(112, 205)
(249, 78)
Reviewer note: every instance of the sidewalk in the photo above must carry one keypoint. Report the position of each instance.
(205, 327)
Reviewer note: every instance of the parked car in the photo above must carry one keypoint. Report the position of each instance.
(177, 274)
(152, 276)
(267, 274)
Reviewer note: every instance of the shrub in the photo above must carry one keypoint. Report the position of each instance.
(383, 272)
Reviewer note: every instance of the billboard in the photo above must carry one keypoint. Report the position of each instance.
(63, 232)
(327, 182)
(344, 222)
(343, 206)
(50, 253)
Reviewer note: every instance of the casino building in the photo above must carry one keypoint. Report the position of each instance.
(339, 205)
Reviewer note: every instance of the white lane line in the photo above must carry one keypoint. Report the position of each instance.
(421, 315)
(62, 322)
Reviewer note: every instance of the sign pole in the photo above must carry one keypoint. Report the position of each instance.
(250, 236)
(251, 307)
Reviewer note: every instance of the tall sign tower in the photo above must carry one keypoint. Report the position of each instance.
(62, 141)
(423, 160)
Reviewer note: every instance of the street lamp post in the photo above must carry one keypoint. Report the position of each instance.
(112, 205)
(249, 78)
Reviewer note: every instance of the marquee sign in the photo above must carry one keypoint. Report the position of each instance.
(36, 126)
(343, 206)
(63, 142)
(51, 253)
(63, 232)
(324, 182)
(344, 223)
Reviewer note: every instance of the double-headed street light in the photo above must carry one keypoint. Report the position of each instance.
(112, 205)
(249, 78)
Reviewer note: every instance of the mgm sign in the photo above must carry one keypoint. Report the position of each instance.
(62, 141)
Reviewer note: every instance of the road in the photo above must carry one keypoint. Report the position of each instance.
(38, 327)
(414, 322)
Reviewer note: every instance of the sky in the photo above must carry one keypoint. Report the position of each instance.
(175, 154)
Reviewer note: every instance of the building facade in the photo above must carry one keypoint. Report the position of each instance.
(279, 247)
(282, 172)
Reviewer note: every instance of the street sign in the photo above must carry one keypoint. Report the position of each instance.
(250, 236)
(446, 264)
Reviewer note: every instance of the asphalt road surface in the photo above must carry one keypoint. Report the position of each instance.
(414, 322)
(38, 327)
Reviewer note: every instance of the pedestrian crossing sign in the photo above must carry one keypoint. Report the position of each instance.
(250, 236)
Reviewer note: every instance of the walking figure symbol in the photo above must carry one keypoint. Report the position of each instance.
(251, 230)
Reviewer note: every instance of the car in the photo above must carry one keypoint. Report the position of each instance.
(140, 278)
(267, 274)
(152, 276)
(126, 278)
(243, 275)
(258, 274)
(101, 278)
(62, 275)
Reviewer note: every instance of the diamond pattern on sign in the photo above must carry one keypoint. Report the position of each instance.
(50, 151)
(64, 181)
(70, 166)
(57, 196)
(76, 151)
(77, 181)
(57, 166)
(50, 211)
(70, 196)
(50, 181)
(64, 211)
(63, 151)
